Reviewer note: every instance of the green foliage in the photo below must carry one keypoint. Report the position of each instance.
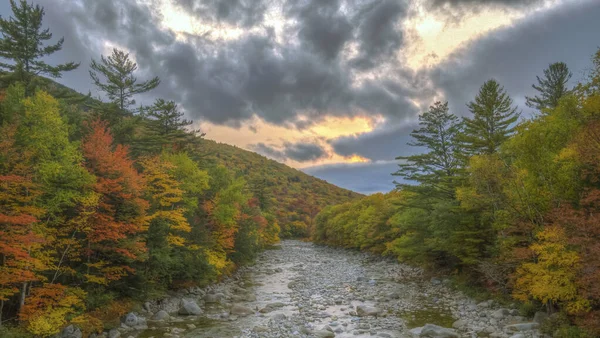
(22, 43)
(436, 169)
(552, 87)
(492, 121)
(119, 84)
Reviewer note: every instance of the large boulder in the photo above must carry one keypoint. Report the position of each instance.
(189, 308)
(160, 315)
(434, 331)
(240, 310)
(131, 319)
(365, 311)
(70, 332)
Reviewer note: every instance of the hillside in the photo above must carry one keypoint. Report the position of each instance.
(293, 196)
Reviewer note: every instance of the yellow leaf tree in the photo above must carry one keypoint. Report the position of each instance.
(551, 279)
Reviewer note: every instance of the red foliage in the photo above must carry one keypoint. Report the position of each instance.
(119, 215)
(18, 215)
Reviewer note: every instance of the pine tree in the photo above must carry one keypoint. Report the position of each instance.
(22, 43)
(438, 134)
(551, 87)
(164, 126)
(120, 85)
(492, 121)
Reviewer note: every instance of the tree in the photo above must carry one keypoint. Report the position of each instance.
(114, 233)
(551, 87)
(438, 134)
(493, 117)
(165, 127)
(120, 85)
(20, 236)
(552, 278)
(22, 42)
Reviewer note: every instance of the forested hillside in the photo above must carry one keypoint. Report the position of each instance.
(105, 202)
(508, 204)
(294, 197)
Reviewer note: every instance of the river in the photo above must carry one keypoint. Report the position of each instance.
(299, 289)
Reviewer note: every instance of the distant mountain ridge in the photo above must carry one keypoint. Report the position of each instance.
(294, 196)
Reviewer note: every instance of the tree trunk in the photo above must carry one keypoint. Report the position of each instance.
(23, 295)
(1, 308)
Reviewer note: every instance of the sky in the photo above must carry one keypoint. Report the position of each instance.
(331, 87)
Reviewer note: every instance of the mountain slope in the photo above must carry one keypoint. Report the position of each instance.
(291, 195)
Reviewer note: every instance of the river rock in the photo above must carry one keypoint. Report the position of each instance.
(260, 329)
(365, 311)
(459, 324)
(160, 315)
(212, 298)
(114, 333)
(189, 308)
(434, 331)
(500, 313)
(240, 310)
(521, 327)
(271, 307)
(131, 319)
(323, 334)
(70, 332)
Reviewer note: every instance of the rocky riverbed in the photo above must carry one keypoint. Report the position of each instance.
(299, 289)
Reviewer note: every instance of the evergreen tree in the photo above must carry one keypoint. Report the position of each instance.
(164, 127)
(120, 85)
(551, 87)
(493, 117)
(22, 42)
(438, 134)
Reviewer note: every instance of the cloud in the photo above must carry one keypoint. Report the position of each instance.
(383, 144)
(379, 33)
(303, 152)
(245, 13)
(300, 152)
(366, 178)
(323, 27)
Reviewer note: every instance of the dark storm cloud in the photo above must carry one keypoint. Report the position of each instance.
(383, 144)
(323, 27)
(246, 13)
(300, 152)
(366, 178)
(379, 32)
(304, 152)
(227, 82)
